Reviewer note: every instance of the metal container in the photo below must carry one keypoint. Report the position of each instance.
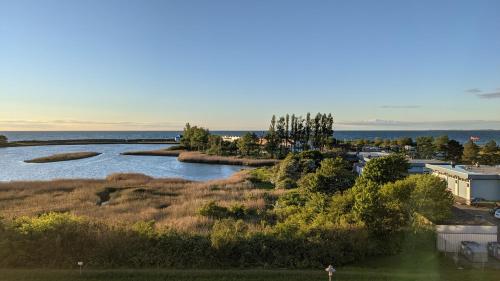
(473, 251)
(494, 250)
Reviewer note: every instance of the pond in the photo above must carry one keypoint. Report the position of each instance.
(13, 167)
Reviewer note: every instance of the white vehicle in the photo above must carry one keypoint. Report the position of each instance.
(497, 214)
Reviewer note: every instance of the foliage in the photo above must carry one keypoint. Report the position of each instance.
(471, 153)
(248, 144)
(236, 211)
(454, 151)
(425, 147)
(489, 153)
(3, 140)
(195, 138)
(294, 133)
(386, 169)
(332, 176)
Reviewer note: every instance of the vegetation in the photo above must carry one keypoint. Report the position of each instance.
(159, 152)
(471, 153)
(386, 169)
(3, 140)
(235, 222)
(63, 157)
(287, 134)
(198, 157)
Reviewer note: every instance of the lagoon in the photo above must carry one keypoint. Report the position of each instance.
(13, 167)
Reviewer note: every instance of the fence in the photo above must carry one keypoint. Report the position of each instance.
(450, 236)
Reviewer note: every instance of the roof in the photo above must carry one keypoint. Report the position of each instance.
(468, 172)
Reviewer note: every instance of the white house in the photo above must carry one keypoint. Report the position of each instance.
(470, 182)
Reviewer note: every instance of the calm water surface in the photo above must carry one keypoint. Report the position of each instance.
(13, 167)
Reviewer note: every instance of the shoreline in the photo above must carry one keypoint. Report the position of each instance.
(202, 158)
(89, 142)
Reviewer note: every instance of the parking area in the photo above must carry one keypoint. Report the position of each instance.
(475, 214)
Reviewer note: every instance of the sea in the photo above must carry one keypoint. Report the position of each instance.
(459, 135)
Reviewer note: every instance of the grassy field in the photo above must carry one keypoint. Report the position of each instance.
(132, 197)
(63, 157)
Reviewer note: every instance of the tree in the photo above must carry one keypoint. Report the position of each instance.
(3, 140)
(307, 131)
(333, 175)
(386, 169)
(215, 144)
(489, 153)
(454, 151)
(404, 141)
(248, 143)
(377, 142)
(441, 143)
(425, 147)
(272, 140)
(430, 197)
(471, 153)
(195, 138)
(289, 171)
(423, 194)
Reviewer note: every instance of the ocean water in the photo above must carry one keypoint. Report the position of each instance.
(461, 136)
(13, 167)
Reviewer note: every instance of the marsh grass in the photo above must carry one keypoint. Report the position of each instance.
(63, 157)
(198, 157)
(171, 203)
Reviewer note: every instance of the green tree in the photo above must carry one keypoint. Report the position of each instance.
(441, 144)
(454, 151)
(430, 197)
(288, 172)
(471, 153)
(195, 138)
(334, 174)
(215, 144)
(489, 153)
(425, 147)
(248, 144)
(272, 139)
(404, 141)
(3, 140)
(386, 169)
(378, 141)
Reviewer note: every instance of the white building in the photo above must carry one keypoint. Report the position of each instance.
(470, 182)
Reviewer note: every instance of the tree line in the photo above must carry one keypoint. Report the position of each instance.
(441, 147)
(288, 133)
(295, 133)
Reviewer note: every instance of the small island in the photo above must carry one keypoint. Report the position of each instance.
(63, 157)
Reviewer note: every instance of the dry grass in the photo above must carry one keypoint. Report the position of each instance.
(198, 157)
(159, 152)
(63, 157)
(172, 203)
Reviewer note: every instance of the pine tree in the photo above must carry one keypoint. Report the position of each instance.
(471, 153)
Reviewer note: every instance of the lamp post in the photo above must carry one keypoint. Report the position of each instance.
(80, 264)
(330, 271)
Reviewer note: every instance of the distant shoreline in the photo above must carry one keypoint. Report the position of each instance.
(89, 141)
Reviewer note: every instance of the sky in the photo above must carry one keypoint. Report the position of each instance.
(155, 65)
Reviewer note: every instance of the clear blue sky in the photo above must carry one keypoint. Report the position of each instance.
(131, 65)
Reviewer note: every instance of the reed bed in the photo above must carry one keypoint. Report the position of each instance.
(171, 203)
(63, 157)
(159, 152)
(198, 157)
